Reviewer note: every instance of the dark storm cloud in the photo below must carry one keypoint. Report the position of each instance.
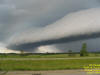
(19, 16)
(31, 46)
(93, 45)
(84, 22)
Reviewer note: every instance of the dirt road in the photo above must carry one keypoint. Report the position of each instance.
(57, 72)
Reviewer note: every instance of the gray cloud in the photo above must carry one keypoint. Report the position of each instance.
(92, 45)
(19, 16)
(75, 26)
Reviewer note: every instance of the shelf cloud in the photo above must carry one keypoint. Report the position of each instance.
(30, 24)
(79, 25)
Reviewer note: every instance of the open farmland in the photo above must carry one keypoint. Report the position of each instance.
(37, 65)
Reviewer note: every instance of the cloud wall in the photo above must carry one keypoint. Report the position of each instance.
(82, 23)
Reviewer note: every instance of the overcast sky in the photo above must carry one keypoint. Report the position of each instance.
(23, 18)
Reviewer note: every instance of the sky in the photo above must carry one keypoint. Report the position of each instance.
(35, 25)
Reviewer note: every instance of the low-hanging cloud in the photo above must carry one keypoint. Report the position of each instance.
(84, 24)
(33, 22)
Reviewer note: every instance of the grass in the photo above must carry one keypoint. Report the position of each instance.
(36, 56)
(46, 55)
(37, 65)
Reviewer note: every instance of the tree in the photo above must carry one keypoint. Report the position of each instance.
(83, 51)
(21, 52)
(69, 52)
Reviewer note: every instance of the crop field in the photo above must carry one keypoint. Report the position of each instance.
(37, 65)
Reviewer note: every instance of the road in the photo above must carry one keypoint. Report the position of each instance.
(57, 72)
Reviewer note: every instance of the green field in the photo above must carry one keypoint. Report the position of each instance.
(45, 64)
(75, 55)
(36, 65)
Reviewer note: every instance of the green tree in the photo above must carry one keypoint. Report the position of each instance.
(21, 52)
(70, 53)
(83, 51)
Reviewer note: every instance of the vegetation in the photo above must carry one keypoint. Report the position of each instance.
(70, 53)
(21, 52)
(83, 51)
(61, 55)
(36, 65)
